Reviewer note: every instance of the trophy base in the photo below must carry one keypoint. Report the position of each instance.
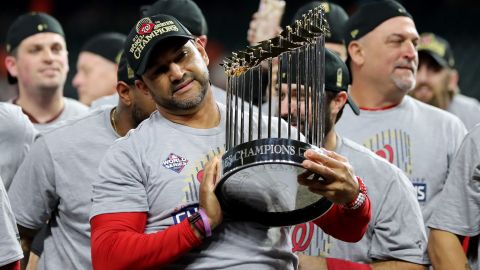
(260, 184)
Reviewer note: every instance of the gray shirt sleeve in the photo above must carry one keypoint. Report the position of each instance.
(399, 231)
(16, 135)
(32, 193)
(10, 250)
(458, 207)
(120, 183)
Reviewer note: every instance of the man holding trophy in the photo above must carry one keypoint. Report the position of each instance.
(155, 202)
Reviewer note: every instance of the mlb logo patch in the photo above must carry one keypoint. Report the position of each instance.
(175, 163)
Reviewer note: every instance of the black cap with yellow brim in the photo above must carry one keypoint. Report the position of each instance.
(149, 32)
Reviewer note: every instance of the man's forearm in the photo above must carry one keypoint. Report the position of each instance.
(445, 251)
(25, 244)
(346, 225)
(396, 265)
(26, 239)
(118, 241)
(319, 263)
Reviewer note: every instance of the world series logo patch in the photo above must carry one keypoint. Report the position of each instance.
(175, 163)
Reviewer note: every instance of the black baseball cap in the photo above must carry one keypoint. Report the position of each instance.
(28, 25)
(335, 15)
(125, 72)
(186, 11)
(436, 47)
(370, 15)
(149, 32)
(337, 76)
(107, 45)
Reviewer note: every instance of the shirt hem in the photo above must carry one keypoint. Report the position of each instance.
(11, 260)
(117, 210)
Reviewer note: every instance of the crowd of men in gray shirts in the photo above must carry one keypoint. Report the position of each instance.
(74, 172)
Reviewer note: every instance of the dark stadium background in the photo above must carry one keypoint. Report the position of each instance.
(228, 22)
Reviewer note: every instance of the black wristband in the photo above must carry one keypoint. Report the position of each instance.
(197, 222)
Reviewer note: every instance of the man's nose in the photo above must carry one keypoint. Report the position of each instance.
(175, 72)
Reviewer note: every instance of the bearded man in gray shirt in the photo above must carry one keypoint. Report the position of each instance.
(395, 237)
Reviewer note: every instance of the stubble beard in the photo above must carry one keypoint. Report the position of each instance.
(138, 115)
(404, 84)
(49, 86)
(186, 104)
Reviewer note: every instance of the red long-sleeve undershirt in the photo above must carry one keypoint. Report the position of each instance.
(119, 242)
(346, 224)
(11, 266)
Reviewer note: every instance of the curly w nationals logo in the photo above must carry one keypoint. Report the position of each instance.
(194, 175)
(144, 26)
(302, 236)
(307, 238)
(394, 146)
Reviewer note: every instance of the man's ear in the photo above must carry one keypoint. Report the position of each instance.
(203, 40)
(142, 86)
(338, 102)
(202, 51)
(11, 65)
(453, 81)
(124, 93)
(355, 51)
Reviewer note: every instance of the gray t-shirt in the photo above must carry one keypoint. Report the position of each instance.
(156, 168)
(467, 109)
(72, 109)
(458, 208)
(10, 250)
(396, 230)
(418, 138)
(16, 135)
(54, 182)
(105, 100)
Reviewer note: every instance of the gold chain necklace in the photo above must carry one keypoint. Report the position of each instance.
(112, 119)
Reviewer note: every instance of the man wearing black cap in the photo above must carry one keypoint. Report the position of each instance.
(191, 16)
(37, 61)
(54, 181)
(437, 80)
(97, 67)
(396, 230)
(160, 208)
(420, 139)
